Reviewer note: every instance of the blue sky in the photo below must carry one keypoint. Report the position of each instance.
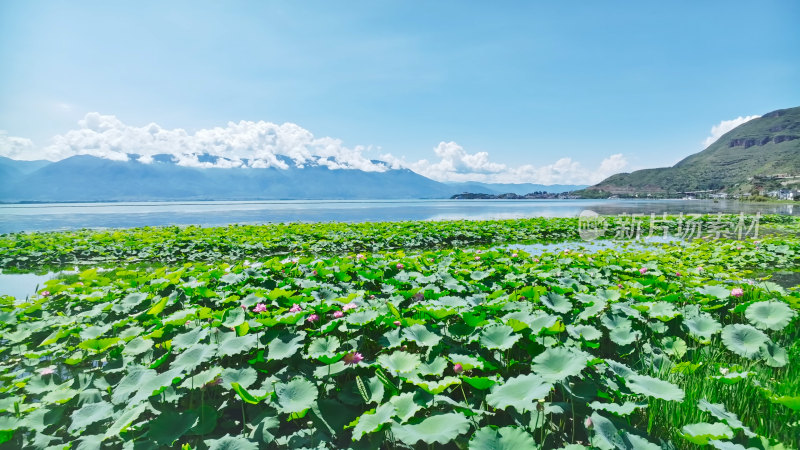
(491, 88)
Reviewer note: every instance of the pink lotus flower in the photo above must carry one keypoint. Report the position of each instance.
(400, 266)
(260, 308)
(360, 256)
(677, 274)
(588, 422)
(397, 323)
(700, 269)
(314, 273)
(244, 307)
(619, 285)
(643, 270)
(312, 318)
(295, 308)
(349, 306)
(479, 251)
(737, 292)
(477, 258)
(514, 255)
(45, 293)
(353, 358)
(371, 297)
(338, 314)
(47, 371)
(535, 259)
(458, 368)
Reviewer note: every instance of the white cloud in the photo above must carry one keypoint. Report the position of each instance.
(265, 144)
(455, 164)
(723, 127)
(251, 144)
(15, 147)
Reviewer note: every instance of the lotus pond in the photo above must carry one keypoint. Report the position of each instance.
(399, 335)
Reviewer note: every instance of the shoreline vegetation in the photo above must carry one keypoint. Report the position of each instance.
(405, 335)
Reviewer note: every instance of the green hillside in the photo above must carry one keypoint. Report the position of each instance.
(747, 157)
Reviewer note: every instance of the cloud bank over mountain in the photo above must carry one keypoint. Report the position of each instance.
(455, 164)
(265, 144)
(723, 127)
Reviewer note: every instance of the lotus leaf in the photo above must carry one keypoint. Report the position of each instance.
(557, 364)
(770, 315)
(505, 438)
(520, 392)
(441, 429)
(744, 340)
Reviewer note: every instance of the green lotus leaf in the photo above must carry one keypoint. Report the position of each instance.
(421, 336)
(234, 345)
(500, 337)
(638, 443)
(520, 392)
(131, 382)
(362, 317)
(663, 311)
(728, 445)
(624, 409)
(130, 301)
(434, 368)
(245, 377)
(229, 442)
(437, 386)
(744, 340)
(586, 332)
(285, 345)
(202, 378)
(701, 433)
(99, 345)
(702, 326)
(556, 302)
(467, 362)
(623, 336)
(137, 346)
(506, 438)
(774, 355)
(399, 363)
(192, 357)
(770, 315)
(674, 346)
(605, 434)
(124, 420)
(190, 338)
(717, 291)
(233, 317)
(653, 387)
(323, 346)
(373, 420)
(787, 401)
(295, 396)
(559, 363)
(480, 383)
(167, 428)
(718, 410)
(89, 414)
(442, 429)
(405, 406)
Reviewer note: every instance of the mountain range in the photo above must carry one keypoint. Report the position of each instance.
(85, 178)
(758, 154)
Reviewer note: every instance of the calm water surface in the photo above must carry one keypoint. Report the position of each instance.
(62, 216)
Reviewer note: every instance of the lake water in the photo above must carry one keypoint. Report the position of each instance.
(67, 216)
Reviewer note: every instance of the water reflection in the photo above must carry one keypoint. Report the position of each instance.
(22, 285)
